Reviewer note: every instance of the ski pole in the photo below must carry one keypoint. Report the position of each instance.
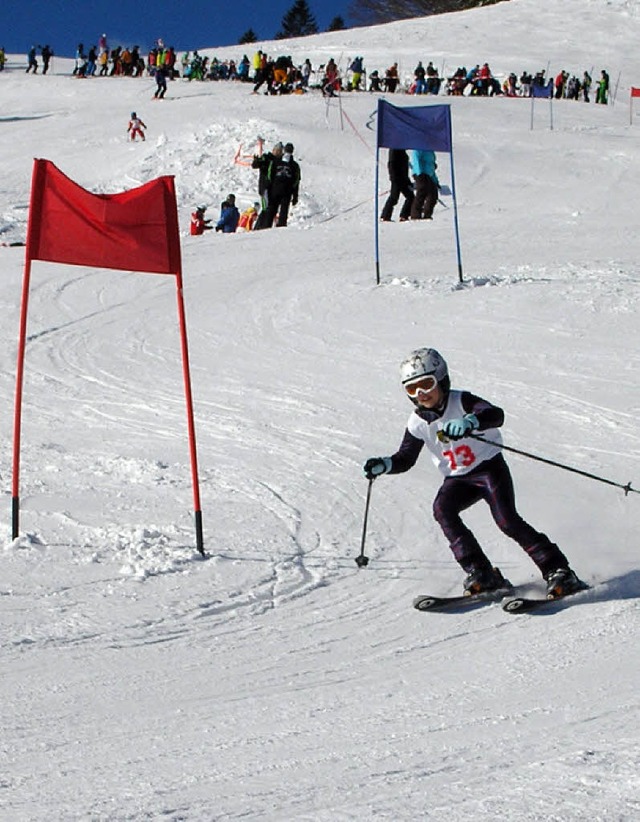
(626, 488)
(361, 560)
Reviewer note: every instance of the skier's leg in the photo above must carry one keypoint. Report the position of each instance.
(500, 496)
(455, 496)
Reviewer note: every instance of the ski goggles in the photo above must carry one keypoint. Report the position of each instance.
(425, 384)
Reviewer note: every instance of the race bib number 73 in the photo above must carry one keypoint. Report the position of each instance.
(461, 456)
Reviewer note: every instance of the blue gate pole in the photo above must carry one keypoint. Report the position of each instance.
(455, 213)
(375, 215)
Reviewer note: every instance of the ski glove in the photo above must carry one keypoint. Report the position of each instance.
(457, 429)
(376, 466)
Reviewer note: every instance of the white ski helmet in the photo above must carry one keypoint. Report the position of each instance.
(423, 362)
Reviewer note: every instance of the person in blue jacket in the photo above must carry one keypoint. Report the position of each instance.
(423, 166)
(229, 216)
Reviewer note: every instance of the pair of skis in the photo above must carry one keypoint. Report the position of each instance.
(511, 603)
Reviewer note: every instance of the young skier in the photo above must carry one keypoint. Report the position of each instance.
(198, 223)
(248, 217)
(442, 420)
(135, 127)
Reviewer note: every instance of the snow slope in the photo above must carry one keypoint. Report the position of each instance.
(275, 680)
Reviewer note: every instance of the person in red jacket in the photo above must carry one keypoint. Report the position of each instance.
(198, 223)
(135, 127)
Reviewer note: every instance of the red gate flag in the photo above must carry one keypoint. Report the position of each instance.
(635, 92)
(134, 230)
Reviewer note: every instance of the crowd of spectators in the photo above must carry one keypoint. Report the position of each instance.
(281, 75)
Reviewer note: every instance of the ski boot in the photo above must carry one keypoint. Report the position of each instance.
(562, 582)
(485, 580)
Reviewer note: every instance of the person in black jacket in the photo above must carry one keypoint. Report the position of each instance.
(263, 163)
(398, 166)
(284, 182)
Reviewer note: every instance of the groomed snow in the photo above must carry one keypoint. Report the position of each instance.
(276, 681)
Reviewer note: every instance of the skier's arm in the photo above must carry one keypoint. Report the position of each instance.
(407, 455)
(404, 458)
(488, 415)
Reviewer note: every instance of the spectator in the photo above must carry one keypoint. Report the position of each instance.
(526, 81)
(331, 79)
(263, 163)
(92, 58)
(257, 65)
(47, 54)
(161, 82)
(391, 78)
(249, 217)
(419, 73)
(560, 83)
(32, 61)
(229, 216)
(116, 62)
(284, 176)
(423, 167)
(357, 67)
(510, 87)
(602, 94)
(103, 62)
(398, 166)
(375, 83)
(306, 73)
(433, 81)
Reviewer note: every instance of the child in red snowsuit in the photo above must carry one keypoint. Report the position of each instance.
(135, 127)
(198, 223)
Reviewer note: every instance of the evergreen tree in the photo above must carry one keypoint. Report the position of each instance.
(248, 37)
(298, 22)
(337, 24)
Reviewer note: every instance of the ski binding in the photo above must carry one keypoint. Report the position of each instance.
(523, 605)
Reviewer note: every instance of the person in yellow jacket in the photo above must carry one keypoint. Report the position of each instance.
(248, 217)
(256, 64)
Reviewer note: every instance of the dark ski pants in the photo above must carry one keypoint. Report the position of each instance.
(279, 202)
(425, 198)
(397, 188)
(491, 482)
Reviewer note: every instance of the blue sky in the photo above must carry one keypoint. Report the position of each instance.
(64, 23)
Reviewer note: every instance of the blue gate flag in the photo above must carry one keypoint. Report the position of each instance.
(421, 127)
(424, 128)
(542, 91)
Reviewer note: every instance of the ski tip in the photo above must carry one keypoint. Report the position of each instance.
(424, 603)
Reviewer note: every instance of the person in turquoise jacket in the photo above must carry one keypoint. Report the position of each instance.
(422, 164)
